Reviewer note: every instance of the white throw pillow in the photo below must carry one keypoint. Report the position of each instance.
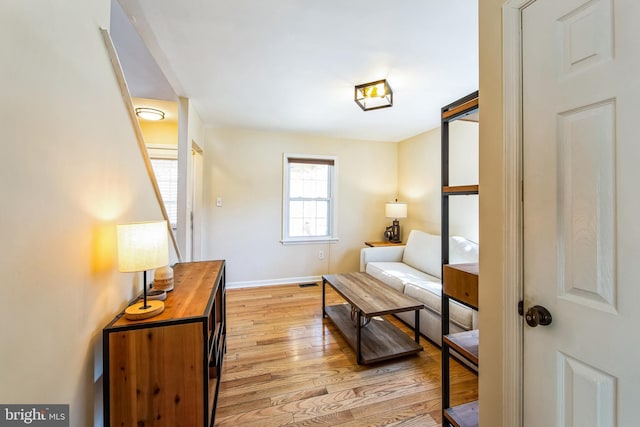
(423, 252)
(462, 251)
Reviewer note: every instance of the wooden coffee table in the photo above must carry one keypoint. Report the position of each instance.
(371, 299)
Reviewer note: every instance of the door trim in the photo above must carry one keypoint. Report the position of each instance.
(512, 373)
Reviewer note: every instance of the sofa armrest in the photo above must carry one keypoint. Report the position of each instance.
(380, 254)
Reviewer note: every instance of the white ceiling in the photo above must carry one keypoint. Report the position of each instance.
(291, 65)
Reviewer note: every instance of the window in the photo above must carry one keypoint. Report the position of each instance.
(165, 167)
(309, 199)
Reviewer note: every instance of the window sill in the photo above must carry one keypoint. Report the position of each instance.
(309, 241)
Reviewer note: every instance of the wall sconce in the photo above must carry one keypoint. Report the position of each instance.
(143, 246)
(147, 113)
(394, 210)
(374, 95)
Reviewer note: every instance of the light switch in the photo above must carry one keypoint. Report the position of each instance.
(219, 202)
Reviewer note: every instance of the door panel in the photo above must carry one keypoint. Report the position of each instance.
(581, 171)
(586, 196)
(588, 395)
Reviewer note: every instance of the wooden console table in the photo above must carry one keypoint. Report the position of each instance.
(371, 299)
(165, 370)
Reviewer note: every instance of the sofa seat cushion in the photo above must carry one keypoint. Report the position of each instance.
(397, 274)
(430, 294)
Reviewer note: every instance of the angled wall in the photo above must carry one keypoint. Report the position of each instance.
(70, 171)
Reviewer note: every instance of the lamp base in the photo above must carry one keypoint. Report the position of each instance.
(392, 232)
(136, 312)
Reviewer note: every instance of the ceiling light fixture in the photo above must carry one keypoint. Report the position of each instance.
(149, 113)
(374, 95)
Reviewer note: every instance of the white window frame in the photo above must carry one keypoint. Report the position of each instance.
(333, 201)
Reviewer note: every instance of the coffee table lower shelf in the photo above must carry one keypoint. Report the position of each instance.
(465, 415)
(379, 340)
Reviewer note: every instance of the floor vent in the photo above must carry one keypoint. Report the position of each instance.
(307, 285)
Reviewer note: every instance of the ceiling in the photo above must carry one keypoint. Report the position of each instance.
(291, 65)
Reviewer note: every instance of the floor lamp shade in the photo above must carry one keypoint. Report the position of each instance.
(143, 246)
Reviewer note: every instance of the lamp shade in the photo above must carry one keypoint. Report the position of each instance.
(142, 246)
(395, 210)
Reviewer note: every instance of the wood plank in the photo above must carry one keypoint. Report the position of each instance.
(469, 105)
(380, 340)
(465, 415)
(133, 353)
(193, 286)
(465, 343)
(379, 244)
(461, 189)
(370, 295)
(460, 282)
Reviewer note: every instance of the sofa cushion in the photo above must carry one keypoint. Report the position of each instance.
(462, 250)
(423, 252)
(429, 293)
(397, 274)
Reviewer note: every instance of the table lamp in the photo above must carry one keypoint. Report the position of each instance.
(394, 210)
(143, 246)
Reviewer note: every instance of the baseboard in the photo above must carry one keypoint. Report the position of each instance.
(273, 282)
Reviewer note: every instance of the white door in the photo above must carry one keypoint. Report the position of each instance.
(581, 171)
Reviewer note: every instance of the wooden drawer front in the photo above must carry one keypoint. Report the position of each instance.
(157, 374)
(460, 282)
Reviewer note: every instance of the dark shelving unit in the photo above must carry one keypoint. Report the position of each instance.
(459, 281)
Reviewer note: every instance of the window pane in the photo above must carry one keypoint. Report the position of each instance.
(322, 210)
(296, 209)
(321, 227)
(296, 227)
(308, 180)
(166, 172)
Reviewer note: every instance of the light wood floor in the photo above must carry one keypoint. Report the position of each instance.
(286, 366)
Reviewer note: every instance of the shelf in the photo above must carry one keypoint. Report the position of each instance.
(466, 108)
(463, 415)
(465, 343)
(380, 340)
(460, 282)
(460, 190)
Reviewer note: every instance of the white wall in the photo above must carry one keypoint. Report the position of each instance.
(492, 217)
(156, 133)
(195, 141)
(245, 168)
(70, 171)
(419, 180)
(190, 131)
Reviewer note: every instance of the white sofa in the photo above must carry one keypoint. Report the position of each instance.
(415, 270)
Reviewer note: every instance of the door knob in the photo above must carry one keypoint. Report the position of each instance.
(538, 315)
